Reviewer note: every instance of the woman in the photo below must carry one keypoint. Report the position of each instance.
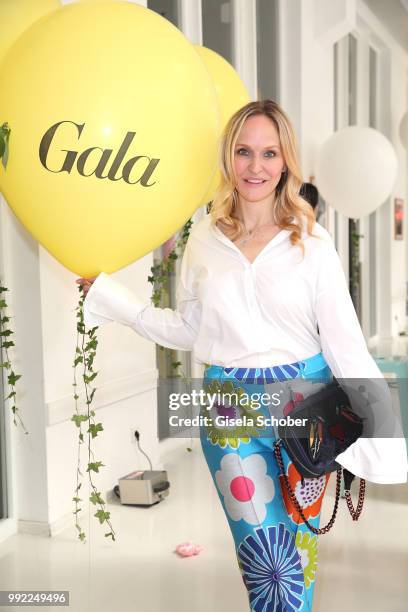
(258, 276)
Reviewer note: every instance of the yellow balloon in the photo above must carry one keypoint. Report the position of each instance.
(231, 94)
(113, 124)
(97, 1)
(18, 15)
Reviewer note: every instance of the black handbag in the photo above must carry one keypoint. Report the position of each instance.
(329, 427)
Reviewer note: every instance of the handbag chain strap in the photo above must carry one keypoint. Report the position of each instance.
(326, 528)
(355, 514)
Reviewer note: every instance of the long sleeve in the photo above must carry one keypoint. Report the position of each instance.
(380, 457)
(342, 339)
(108, 300)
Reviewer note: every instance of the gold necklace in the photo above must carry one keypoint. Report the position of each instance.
(250, 233)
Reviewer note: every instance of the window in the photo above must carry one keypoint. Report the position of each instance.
(217, 27)
(372, 223)
(169, 9)
(267, 44)
(165, 8)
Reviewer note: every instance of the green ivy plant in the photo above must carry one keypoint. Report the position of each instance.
(5, 360)
(85, 352)
(160, 271)
(4, 139)
(159, 278)
(354, 266)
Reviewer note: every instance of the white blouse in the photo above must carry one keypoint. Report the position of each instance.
(279, 309)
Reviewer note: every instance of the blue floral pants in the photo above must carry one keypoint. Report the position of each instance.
(276, 552)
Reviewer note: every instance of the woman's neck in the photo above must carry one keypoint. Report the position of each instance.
(255, 214)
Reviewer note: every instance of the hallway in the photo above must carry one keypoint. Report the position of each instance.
(140, 572)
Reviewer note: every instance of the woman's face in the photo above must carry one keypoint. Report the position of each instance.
(258, 160)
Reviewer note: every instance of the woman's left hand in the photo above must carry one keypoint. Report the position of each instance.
(86, 283)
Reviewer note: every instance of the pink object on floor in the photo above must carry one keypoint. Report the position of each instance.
(188, 549)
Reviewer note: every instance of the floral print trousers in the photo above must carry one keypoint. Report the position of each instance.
(276, 552)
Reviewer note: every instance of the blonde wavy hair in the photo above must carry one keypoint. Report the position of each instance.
(289, 206)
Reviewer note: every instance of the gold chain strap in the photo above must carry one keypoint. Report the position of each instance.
(318, 531)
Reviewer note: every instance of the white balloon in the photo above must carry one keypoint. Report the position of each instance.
(356, 170)
(403, 130)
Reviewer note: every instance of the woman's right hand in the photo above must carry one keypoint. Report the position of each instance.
(86, 283)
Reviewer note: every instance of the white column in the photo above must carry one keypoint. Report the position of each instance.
(290, 64)
(191, 20)
(244, 45)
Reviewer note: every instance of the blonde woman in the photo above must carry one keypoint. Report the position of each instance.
(259, 277)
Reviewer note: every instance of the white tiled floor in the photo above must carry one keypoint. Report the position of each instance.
(362, 566)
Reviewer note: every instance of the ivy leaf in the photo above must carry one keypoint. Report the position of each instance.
(88, 379)
(92, 344)
(79, 418)
(96, 498)
(13, 378)
(102, 515)
(5, 156)
(78, 359)
(7, 344)
(89, 361)
(93, 429)
(94, 467)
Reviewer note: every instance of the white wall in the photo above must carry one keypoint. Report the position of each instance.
(27, 460)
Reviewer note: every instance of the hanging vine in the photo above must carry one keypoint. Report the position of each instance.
(4, 140)
(354, 251)
(160, 274)
(5, 359)
(85, 352)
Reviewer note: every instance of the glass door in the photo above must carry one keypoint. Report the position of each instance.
(171, 363)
